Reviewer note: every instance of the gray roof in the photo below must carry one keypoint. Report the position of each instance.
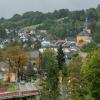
(84, 33)
(32, 54)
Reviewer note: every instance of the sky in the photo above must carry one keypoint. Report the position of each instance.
(10, 7)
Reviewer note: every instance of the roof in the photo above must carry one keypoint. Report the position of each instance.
(84, 33)
(70, 38)
(32, 54)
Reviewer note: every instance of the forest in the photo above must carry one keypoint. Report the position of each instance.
(58, 24)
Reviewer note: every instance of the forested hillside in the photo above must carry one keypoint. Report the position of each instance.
(59, 23)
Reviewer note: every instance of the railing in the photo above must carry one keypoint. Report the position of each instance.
(18, 94)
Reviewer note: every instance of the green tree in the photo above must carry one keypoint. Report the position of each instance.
(92, 14)
(89, 47)
(60, 57)
(98, 11)
(97, 37)
(76, 83)
(30, 72)
(16, 17)
(52, 76)
(97, 26)
(37, 45)
(62, 71)
(91, 71)
(3, 33)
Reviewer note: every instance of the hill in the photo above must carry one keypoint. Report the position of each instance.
(59, 23)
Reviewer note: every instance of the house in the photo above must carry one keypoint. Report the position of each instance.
(32, 54)
(1, 46)
(84, 37)
(24, 36)
(4, 73)
(70, 54)
(45, 43)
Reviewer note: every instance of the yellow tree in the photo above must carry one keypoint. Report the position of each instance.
(17, 61)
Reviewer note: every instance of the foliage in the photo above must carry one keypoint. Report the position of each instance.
(76, 86)
(97, 27)
(30, 73)
(98, 11)
(3, 34)
(52, 81)
(37, 45)
(97, 37)
(17, 61)
(91, 71)
(60, 57)
(89, 47)
(59, 23)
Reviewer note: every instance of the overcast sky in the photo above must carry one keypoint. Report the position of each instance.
(9, 7)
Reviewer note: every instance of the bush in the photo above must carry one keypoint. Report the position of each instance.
(89, 47)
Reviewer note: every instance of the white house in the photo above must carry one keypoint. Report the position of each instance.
(45, 43)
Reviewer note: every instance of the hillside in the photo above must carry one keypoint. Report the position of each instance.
(59, 23)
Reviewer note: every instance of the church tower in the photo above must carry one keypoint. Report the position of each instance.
(86, 26)
(84, 36)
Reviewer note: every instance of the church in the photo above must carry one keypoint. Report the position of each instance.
(84, 36)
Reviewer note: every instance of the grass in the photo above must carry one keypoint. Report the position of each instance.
(11, 88)
(32, 26)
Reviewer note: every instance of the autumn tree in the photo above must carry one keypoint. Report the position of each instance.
(17, 61)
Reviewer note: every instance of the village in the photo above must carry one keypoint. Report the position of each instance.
(27, 38)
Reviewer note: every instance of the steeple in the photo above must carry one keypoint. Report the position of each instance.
(86, 26)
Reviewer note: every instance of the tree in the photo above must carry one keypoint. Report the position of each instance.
(37, 44)
(30, 72)
(3, 33)
(60, 57)
(62, 69)
(78, 15)
(97, 26)
(91, 71)
(92, 14)
(97, 37)
(76, 83)
(52, 77)
(89, 47)
(17, 61)
(98, 11)
(16, 17)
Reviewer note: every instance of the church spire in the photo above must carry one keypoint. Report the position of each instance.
(86, 26)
